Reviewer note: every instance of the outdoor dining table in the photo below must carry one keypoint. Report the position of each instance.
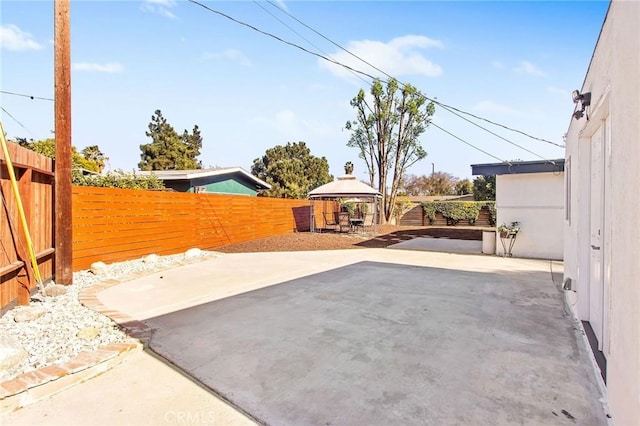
(355, 222)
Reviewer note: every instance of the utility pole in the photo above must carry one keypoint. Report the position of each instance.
(433, 169)
(62, 187)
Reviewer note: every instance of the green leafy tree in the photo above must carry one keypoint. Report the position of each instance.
(94, 154)
(193, 146)
(438, 183)
(386, 132)
(291, 170)
(47, 147)
(484, 188)
(168, 150)
(464, 187)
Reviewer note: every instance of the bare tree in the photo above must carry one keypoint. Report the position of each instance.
(386, 131)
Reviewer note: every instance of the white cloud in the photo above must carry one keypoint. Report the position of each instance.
(526, 67)
(497, 64)
(14, 39)
(281, 4)
(231, 55)
(494, 108)
(109, 67)
(400, 56)
(159, 7)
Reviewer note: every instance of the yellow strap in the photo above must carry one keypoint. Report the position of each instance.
(23, 219)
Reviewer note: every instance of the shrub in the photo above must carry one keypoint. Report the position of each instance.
(118, 179)
(455, 211)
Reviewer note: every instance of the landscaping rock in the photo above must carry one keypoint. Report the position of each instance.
(88, 333)
(151, 258)
(55, 290)
(99, 268)
(191, 253)
(29, 313)
(12, 354)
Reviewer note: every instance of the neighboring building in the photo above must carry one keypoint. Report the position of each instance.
(231, 180)
(532, 193)
(602, 225)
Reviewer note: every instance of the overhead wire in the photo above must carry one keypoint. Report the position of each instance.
(499, 136)
(17, 121)
(268, 34)
(498, 124)
(27, 96)
(303, 37)
(435, 101)
(322, 57)
(467, 143)
(447, 108)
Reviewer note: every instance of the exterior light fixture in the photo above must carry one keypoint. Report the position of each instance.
(584, 99)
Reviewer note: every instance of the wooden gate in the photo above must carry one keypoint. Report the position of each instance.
(34, 173)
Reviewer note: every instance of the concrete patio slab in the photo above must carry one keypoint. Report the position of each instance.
(382, 343)
(143, 390)
(440, 244)
(494, 344)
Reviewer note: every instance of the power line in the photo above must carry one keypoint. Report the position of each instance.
(342, 65)
(429, 99)
(17, 121)
(301, 36)
(26, 96)
(467, 143)
(497, 135)
(497, 124)
(371, 65)
(279, 39)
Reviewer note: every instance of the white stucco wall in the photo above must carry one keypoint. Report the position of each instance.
(613, 79)
(536, 200)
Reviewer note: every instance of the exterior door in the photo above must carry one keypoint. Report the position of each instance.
(596, 276)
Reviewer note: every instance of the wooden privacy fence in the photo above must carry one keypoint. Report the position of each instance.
(34, 174)
(112, 225)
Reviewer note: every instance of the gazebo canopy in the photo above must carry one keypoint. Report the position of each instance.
(347, 186)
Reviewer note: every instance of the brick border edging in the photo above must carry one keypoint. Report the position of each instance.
(35, 385)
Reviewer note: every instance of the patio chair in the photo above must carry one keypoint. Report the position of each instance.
(368, 222)
(330, 221)
(344, 222)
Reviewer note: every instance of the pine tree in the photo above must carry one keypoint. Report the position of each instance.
(168, 150)
(291, 170)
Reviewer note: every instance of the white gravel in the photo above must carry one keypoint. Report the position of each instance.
(51, 339)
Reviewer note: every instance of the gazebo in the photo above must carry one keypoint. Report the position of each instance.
(345, 188)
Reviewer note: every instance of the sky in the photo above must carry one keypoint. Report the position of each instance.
(514, 63)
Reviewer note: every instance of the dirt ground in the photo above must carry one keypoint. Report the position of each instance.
(386, 236)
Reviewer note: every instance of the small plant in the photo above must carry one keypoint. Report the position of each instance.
(508, 231)
(348, 206)
(348, 167)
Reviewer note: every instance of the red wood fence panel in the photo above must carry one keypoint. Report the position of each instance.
(34, 174)
(113, 225)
